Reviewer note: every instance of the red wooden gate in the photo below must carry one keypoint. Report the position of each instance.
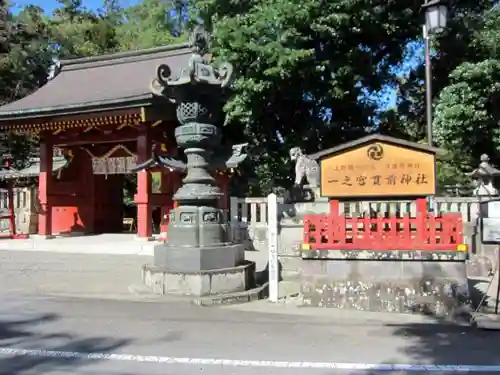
(425, 231)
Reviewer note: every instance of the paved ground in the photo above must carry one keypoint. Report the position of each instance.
(85, 275)
(31, 272)
(45, 330)
(64, 327)
(108, 243)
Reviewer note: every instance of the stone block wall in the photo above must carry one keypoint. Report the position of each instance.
(483, 259)
(437, 286)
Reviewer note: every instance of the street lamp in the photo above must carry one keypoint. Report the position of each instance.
(436, 13)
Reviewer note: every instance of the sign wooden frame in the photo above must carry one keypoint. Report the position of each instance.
(377, 167)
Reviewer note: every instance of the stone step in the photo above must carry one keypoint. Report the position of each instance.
(291, 263)
(254, 294)
(486, 321)
(492, 292)
(288, 289)
(487, 287)
(290, 275)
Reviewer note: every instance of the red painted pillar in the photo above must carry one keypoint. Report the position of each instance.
(143, 197)
(45, 186)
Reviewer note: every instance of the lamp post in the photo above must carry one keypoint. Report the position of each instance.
(435, 22)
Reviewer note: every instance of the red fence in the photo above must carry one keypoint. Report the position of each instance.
(423, 232)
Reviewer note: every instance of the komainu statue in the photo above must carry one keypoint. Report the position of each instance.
(305, 167)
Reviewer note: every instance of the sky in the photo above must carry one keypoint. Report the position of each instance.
(50, 5)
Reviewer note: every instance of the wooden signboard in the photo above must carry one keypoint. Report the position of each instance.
(376, 169)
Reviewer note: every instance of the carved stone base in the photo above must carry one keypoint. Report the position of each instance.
(197, 226)
(163, 281)
(194, 259)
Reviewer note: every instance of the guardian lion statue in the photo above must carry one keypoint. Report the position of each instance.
(305, 167)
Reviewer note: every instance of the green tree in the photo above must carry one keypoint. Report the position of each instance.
(24, 59)
(456, 46)
(112, 12)
(24, 54)
(450, 49)
(78, 32)
(467, 117)
(146, 24)
(304, 68)
(31, 40)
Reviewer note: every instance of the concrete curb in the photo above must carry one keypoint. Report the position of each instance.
(254, 294)
(486, 321)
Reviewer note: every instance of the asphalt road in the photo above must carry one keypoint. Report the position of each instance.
(114, 328)
(55, 335)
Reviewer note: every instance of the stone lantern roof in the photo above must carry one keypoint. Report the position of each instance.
(484, 175)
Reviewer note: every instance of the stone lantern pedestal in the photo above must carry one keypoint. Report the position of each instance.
(198, 258)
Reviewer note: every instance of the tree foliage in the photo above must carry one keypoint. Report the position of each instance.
(24, 55)
(448, 51)
(77, 32)
(24, 59)
(307, 72)
(304, 68)
(147, 24)
(460, 44)
(467, 114)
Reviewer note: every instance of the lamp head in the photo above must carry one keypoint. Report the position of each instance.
(436, 15)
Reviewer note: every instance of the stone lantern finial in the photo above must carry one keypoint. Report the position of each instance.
(484, 175)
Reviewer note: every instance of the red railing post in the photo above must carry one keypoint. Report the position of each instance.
(421, 234)
(334, 207)
(306, 235)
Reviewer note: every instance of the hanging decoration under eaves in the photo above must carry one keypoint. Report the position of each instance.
(115, 165)
(106, 164)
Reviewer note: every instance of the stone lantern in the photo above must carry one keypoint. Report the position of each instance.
(484, 175)
(198, 232)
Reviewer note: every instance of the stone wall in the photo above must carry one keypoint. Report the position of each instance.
(483, 258)
(434, 287)
(437, 286)
(374, 284)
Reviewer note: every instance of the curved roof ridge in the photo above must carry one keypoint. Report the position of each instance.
(94, 83)
(121, 57)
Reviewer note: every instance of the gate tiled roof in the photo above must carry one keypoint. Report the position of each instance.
(98, 83)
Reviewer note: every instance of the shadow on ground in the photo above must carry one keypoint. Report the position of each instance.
(25, 334)
(443, 343)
